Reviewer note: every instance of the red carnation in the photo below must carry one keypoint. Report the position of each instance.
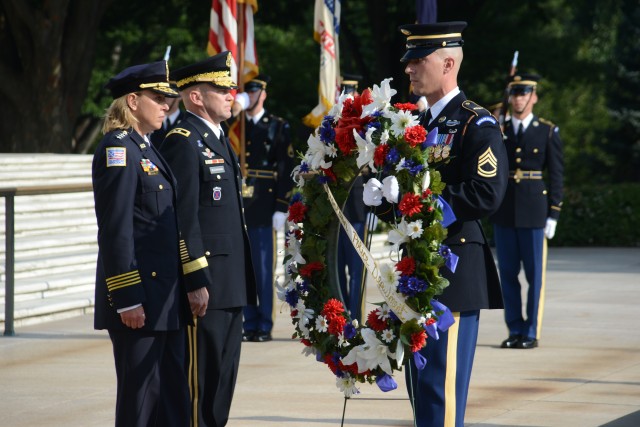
(430, 321)
(418, 340)
(352, 369)
(380, 154)
(415, 135)
(344, 133)
(407, 106)
(375, 322)
(306, 342)
(308, 270)
(410, 204)
(328, 359)
(336, 325)
(406, 266)
(297, 211)
(330, 174)
(366, 98)
(332, 308)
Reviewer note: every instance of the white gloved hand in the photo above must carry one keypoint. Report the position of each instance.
(372, 194)
(278, 220)
(550, 228)
(390, 189)
(372, 221)
(242, 99)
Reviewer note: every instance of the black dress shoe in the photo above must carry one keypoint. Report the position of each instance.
(511, 342)
(248, 336)
(262, 336)
(528, 343)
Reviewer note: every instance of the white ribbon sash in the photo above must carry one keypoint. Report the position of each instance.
(394, 300)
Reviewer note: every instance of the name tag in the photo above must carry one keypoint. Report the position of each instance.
(216, 169)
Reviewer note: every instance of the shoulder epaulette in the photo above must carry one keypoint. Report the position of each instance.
(546, 122)
(475, 108)
(121, 134)
(179, 131)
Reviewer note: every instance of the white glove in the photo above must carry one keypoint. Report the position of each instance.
(372, 221)
(372, 194)
(278, 220)
(390, 189)
(242, 99)
(550, 228)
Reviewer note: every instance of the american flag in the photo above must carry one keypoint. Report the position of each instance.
(223, 35)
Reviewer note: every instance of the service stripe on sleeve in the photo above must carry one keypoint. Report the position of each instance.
(123, 280)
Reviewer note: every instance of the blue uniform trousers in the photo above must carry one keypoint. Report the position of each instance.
(260, 317)
(526, 247)
(441, 388)
(152, 383)
(349, 259)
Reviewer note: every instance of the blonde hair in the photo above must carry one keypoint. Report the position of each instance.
(118, 115)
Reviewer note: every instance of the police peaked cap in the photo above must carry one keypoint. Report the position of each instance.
(215, 70)
(524, 82)
(424, 39)
(259, 82)
(153, 76)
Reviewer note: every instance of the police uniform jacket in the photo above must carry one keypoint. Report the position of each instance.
(210, 213)
(476, 178)
(269, 162)
(529, 201)
(138, 258)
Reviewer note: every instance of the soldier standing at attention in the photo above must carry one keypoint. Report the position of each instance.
(529, 212)
(140, 296)
(269, 162)
(476, 178)
(213, 227)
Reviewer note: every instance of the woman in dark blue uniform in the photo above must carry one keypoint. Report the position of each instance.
(140, 298)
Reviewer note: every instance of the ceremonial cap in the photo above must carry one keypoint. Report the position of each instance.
(153, 76)
(523, 83)
(215, 70)
(424, 39)
(259, 82)
(349, 83)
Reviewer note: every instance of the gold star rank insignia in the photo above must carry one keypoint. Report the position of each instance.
(487, 164)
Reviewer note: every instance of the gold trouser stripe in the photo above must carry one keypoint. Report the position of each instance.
(192, 334)
(542, 287)
(450, 374)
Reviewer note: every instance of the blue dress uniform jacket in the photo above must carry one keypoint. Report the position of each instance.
(211, 231)
(269, 162)
(134, 192)
(528, 201)
(476, 178)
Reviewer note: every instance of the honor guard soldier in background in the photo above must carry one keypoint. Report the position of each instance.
(476, 178)
(529, 212)
(350, 266)
(213, 227)
(140, 295)
(269, 162)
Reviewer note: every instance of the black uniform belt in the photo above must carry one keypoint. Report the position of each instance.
(519, 174)
(259, 173)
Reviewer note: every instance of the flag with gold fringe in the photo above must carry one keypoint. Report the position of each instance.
(326, 29)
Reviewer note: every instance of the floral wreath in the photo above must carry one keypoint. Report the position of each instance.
(366, 130)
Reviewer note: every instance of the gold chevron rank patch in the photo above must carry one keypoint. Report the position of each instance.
(487, 164)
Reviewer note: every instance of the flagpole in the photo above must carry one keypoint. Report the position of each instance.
(241, 43)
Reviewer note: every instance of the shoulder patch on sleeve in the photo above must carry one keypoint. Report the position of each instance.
(179, 131)
(121, 134)
(116, 156)
(485, 119)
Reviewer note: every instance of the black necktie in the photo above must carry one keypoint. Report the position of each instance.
(520, 132)
(427, 117)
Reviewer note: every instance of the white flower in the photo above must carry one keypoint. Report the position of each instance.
(414, 229)
(281, 290)
(399, 234)
(336, 110)
(316, 153)
(303, 325)
(321, 324)
(384, 137)
(371, 354)
(388, 335)
(347, 385)
(390, 276)
(383, 311)
(293, 248)
(342, 342)
(297, 178)
(381, 98)
(426, 179)
(366, 149)
(309, 350)
(402, 120)
(400, 165)
(303, 313)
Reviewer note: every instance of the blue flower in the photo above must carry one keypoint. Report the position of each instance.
(292, 297)
(393, 156)
(411, 286)
(304, 167)
(327, 134)
(349, 331)
(297, 197)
